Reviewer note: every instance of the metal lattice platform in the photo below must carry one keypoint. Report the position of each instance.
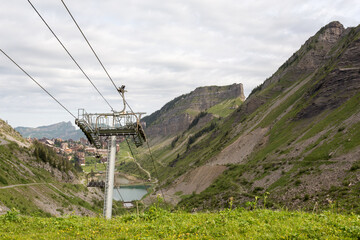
(97, 125)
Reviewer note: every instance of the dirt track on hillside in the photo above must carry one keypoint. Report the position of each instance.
(21, 185)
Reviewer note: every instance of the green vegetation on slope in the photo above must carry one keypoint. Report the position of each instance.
(14, 171)
(298, 155)
(31, 181)
(309, 133)
(6, 129)
(47, 155)
(161, 224)
(272, 157)
(62, 198)
(226, 107)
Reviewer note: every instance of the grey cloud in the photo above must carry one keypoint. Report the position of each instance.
(158, 51)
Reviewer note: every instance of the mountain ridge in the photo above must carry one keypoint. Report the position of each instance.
(295, 137)
(63, 130)
(176, 115)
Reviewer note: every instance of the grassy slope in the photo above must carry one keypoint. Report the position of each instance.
(271, 158)
(160, 224)
(285, 135)
(7, 130)
(18, 165)
(226, 107)
(180, 152)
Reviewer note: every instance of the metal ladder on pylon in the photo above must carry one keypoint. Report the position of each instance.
(107, 178)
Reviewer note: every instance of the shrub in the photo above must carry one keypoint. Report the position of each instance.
(48, 155)
(173, 142)
(196, 119)
(12, 215)
(193, 138)
(355, 166)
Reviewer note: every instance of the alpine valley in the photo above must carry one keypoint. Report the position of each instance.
(293, 143)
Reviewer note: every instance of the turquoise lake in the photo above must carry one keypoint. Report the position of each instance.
(129, 193)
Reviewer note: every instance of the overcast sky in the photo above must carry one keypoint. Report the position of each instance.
(158, 49)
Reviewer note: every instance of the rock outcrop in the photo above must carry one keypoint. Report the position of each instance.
(312, 55)
(176, 116)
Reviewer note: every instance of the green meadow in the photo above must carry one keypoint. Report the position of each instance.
(157, 223)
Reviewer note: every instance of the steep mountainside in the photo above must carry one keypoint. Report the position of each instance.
(63, 130)
(295, 140)
(177, 115)
(34, 180)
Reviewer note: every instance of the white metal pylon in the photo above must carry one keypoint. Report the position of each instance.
(109, 185)
(97, 125)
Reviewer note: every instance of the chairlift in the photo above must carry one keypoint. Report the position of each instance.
(94, 182)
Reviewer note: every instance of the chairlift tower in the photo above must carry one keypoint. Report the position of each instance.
(96, 126)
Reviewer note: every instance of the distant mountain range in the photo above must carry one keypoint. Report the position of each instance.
(63, 130)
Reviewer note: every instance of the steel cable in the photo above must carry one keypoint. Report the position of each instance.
(97, 57)
(69, 54)
(156, 172)
(37, 83)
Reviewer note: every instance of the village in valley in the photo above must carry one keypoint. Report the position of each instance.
(80, 152)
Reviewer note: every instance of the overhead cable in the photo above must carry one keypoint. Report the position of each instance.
(69, 54)
(92, 49)
(97, 57)
(156, 172)
(37, 83)
(133, 156)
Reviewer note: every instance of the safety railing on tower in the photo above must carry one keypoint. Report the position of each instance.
(96, 125)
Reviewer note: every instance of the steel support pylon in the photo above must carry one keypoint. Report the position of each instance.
(109, 185)
(98, 125)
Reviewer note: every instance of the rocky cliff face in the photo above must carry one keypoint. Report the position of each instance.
(313, 54)
(177, 115)
(342, 79)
